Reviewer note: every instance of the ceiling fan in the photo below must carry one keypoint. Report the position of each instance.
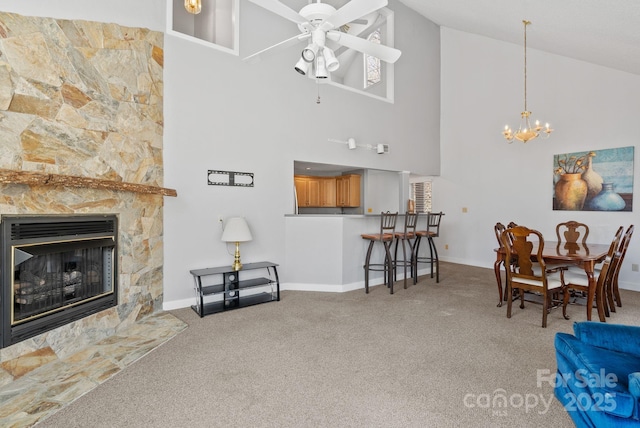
(319, 24)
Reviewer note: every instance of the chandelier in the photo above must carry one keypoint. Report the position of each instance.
(193, 6)
(526, 132)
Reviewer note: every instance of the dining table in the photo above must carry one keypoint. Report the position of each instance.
(585, 255)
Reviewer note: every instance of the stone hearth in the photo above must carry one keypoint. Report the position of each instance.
(39, 384)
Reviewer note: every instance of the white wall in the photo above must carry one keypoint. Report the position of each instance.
(591, 108)
(224, 114)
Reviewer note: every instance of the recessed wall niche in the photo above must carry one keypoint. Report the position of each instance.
(215, 26)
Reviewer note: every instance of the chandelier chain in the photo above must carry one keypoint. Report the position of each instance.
(525, 63)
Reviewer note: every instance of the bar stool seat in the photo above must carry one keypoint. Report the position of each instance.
(432, 231)
(386, 237)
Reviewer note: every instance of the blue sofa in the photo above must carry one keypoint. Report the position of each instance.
(598, 378)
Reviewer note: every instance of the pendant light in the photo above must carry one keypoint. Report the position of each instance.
(193, 6)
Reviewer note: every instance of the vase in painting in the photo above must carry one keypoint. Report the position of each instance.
(571, 192)
(607, 200)
(593, 179)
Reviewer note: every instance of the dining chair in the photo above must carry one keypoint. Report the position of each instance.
(612, 290)
(568, 233)
(577, 280)
(571, 231)
(408, 234)
(498, 228)
(432, 231)
(530, 272)
(574, 281)
(386, 237)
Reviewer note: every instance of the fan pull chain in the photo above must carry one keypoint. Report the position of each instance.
(318, 100)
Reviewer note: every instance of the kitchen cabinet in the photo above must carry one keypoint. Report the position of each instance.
(307, 191)
(348, 190)
(327, 192)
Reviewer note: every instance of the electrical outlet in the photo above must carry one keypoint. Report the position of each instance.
(465, 210)
(446, 246)
(634, 267)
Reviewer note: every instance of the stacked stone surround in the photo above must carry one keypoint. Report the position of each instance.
(84, 99)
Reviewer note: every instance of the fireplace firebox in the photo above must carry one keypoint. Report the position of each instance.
(55, 270)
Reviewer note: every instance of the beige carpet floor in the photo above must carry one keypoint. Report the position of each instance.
(434, 355)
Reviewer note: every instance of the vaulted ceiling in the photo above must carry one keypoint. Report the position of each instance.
(604, 32)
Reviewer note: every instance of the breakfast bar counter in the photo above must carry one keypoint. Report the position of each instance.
(325, 252)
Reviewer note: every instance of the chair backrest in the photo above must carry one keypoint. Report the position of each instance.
(433, 224)
(615, 243)
(410, 223)
(388, 223)
(522, 250)
(621, 251)
(571, 231)
(498, 229)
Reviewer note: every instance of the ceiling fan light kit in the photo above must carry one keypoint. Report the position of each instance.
(320, 22)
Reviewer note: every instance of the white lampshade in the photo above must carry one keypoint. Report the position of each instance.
(236, 230)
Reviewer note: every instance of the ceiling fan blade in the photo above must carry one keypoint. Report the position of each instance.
(351, 11)
(385, 53)
(280, 9)
(278, 46)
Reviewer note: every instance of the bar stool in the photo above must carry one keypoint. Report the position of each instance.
(433, 231)
(386, 236)
(410, 222)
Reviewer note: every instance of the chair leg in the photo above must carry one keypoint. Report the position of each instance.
(416, 252)
(616, 292)
(404, 262)
(607, 298)
(389, 265)
(565, 302)
(414, 262)
(434, 258)
(430, 255)
(509, 299)
(610, 297)
(366, 267)
(545, 309)
(395, 256)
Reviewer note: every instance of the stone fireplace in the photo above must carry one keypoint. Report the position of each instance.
(81, 126)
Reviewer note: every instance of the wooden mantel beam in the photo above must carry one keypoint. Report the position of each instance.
(43, 179)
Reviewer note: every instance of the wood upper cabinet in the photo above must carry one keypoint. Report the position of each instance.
(327, 192)
(307, 191)
(348, 190)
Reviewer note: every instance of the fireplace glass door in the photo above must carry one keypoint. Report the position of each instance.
(55, 270)
(50, 277)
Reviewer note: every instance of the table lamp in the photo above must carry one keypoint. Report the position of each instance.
(236, 230)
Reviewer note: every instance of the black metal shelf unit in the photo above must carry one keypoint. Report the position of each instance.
(232, 292)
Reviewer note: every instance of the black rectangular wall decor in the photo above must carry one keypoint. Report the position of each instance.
(229, 178)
